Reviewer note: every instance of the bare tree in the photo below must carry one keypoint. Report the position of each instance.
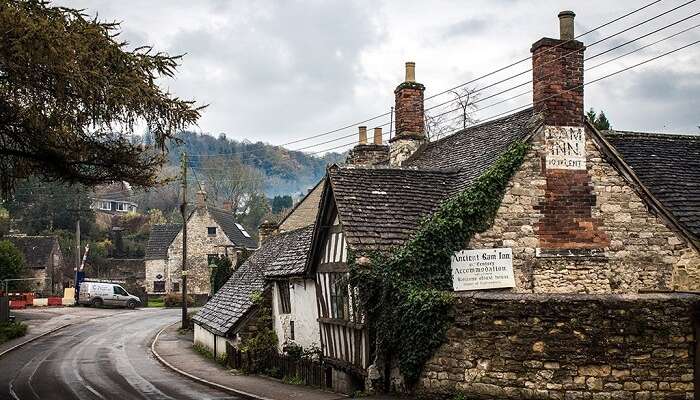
(231, 180)
(440, 124)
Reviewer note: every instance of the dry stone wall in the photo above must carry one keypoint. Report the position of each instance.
(642, 252)
(525, 346)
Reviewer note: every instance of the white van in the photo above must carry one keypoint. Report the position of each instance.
(100, 294)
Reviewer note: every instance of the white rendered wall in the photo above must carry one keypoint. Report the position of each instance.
(302, 293)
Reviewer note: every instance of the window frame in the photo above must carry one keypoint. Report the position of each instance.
(339, 296)
(209, 231)
(285, 297)
(157, 285)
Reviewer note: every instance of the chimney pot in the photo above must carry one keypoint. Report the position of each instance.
(377, 135)
(410, 71)
(363, 135)
(566, 25)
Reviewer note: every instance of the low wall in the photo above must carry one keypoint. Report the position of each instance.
(566, 347)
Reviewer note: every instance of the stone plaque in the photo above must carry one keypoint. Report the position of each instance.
(565, 147)
(482, 269)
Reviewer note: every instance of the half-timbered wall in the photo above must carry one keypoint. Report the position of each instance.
(343, 333)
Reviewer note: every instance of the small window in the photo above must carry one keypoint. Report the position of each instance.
(285, 300)
(291, 330)
(176, 286)
(159, 286)
(243, 231)
(211, 259)
(211, 231)
(339, 296)
(122, 207)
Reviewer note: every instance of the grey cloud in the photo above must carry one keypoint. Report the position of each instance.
(467, 26)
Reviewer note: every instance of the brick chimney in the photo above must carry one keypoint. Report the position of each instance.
(566, 226)
(201, 201)
(368, 154)
(557, 75)
(410, 118)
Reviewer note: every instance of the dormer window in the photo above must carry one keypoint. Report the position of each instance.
(211, 231)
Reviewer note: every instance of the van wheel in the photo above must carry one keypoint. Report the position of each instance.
(131, 304)
(97, 302)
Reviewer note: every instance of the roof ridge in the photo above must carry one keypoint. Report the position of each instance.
(398, 168)
(661, 135)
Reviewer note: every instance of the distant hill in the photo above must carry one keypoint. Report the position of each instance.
(285, 171)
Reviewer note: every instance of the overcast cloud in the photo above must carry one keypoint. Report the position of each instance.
(280, 70)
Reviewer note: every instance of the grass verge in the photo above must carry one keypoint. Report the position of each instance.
(11, 330)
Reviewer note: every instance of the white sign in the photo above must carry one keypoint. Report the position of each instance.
(482, 269)
(565, 147)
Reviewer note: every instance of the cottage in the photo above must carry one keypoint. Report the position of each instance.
(277, 273)
(602, 228)
(44, 260)
(211, 232)
(115, 198)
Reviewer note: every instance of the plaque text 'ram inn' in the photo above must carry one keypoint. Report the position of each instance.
(482, 269)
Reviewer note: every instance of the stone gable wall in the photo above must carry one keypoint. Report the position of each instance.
(199, 246)
(642, 253)
(305, 213)
(566, 347)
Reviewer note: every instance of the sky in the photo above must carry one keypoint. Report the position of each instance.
(279, 71)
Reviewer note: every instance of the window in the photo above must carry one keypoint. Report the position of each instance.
(120, 291)
(159, 286)
(176, 286)
(211, 231)
(103, 205)
(243, 231)
(122, 207)
(339, 296)
(285, 300)
(291, 330)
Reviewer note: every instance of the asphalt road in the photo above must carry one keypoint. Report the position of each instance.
(104, 358)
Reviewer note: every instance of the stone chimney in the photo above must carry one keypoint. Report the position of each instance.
(566, 227)
(227, 205)
(557, 76)
(267, 229)
(368, 154)
(201, 201)
(410, 118)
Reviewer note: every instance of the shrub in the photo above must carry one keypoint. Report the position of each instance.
(11, 330)
(175, 300)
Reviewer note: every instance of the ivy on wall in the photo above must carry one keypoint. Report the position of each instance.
(407, 294)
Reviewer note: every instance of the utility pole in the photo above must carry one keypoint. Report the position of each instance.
(391, 121)
(183, 211)
(77, 249)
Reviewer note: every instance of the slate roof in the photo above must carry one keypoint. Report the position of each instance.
(37, 250)
(116, 191)
(473, 150)
(381, 207)
(227, 221)
(159, 240)
(292, 254)
(669, 166)
(233, 301)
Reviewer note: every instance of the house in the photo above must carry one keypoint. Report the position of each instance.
(277, 272)
(115, 198)
(44, 260)
(211, 232)
(600, 230)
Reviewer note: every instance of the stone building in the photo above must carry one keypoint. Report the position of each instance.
(211, 232)
(44, 260)
(603, 231)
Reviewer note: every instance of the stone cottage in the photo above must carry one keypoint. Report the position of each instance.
(601, 229)
(276, 272)
(44, 260)
(211, 232)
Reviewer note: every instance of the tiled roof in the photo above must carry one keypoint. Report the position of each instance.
(381, 207)
(474, 149)
(36, 249)
(159, 240)
(233, 230)
(669, 166)
(293, 250)
(233, 301)
(116, 191)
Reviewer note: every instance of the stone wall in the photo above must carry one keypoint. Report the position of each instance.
(526, 346)
(642, 253)
(200, 244)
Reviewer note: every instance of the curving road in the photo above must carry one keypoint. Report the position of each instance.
(104, 358)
